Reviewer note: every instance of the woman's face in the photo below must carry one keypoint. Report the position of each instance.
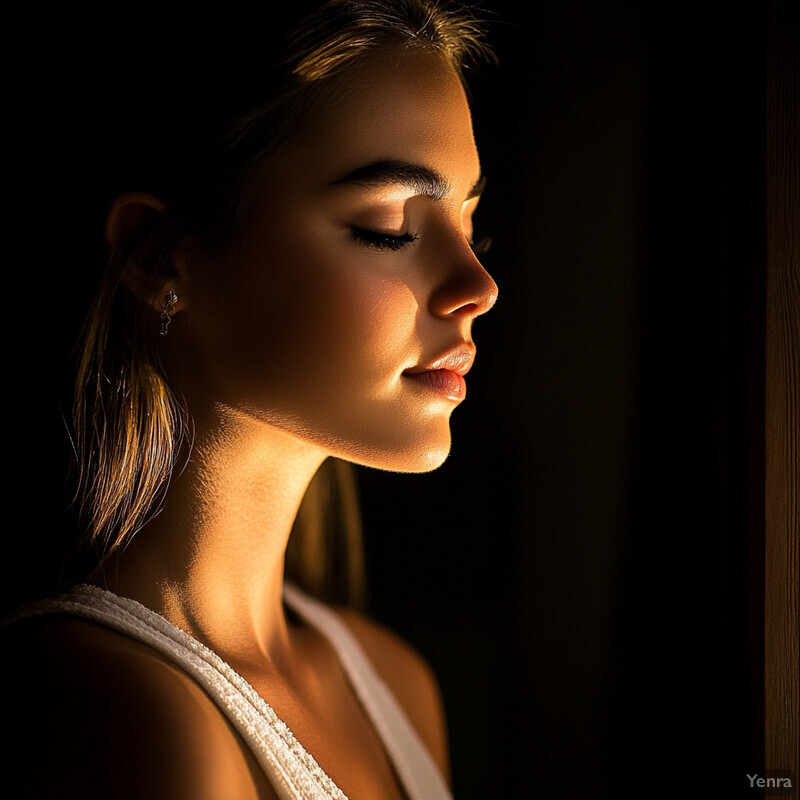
(346, 317)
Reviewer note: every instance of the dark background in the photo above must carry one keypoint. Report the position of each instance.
(578, 572)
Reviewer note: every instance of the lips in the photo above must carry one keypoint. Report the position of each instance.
(445, 375)
(444, 382)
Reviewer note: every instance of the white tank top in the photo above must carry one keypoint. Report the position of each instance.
(292, 771)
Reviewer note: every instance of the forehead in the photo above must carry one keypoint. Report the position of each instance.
(394, 105)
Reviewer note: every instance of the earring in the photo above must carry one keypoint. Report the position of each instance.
(169, 306)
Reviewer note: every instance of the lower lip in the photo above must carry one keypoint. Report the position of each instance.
(442, 381)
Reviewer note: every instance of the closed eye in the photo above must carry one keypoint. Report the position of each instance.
(383, 241)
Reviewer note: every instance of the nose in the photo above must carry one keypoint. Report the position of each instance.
(466, 290)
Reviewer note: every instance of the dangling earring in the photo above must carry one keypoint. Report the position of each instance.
(169, 307)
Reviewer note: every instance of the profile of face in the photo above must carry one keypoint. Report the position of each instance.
(344, 317)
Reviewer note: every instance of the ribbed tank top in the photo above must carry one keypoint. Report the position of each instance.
(292, 771)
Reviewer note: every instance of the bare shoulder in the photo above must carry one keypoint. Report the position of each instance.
(410, 678)
(94, 713)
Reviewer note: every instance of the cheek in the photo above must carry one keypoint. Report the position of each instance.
(354, 324)
(324, 319)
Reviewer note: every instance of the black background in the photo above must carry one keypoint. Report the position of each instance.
(577, 572)
(580, 572)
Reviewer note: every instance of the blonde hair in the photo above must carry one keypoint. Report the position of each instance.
(130, 428)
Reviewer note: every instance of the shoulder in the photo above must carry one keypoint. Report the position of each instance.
(109, 716)
(409, 677)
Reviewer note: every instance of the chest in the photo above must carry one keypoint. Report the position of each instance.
(327, 719)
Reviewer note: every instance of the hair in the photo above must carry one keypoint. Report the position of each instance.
(192, 138)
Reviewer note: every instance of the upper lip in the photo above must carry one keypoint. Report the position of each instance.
(458, 360)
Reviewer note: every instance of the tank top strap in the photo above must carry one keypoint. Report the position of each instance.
(292, 771)
(418, 773)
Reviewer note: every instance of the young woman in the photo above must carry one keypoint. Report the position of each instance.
(292, 284)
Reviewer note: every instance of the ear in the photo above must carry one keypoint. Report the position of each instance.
(129, 214)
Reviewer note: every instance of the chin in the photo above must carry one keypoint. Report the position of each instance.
(391, 446)
(431, 460)
(424, 457)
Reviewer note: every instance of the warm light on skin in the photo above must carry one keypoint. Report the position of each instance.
(293, 348)
(310, 328)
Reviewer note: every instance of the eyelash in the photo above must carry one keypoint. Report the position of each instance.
(482, 247)
(388, 241)
(383, 241)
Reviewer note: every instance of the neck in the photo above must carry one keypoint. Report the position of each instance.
(212, 560)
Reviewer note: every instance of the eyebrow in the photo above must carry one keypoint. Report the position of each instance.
(420, 179)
